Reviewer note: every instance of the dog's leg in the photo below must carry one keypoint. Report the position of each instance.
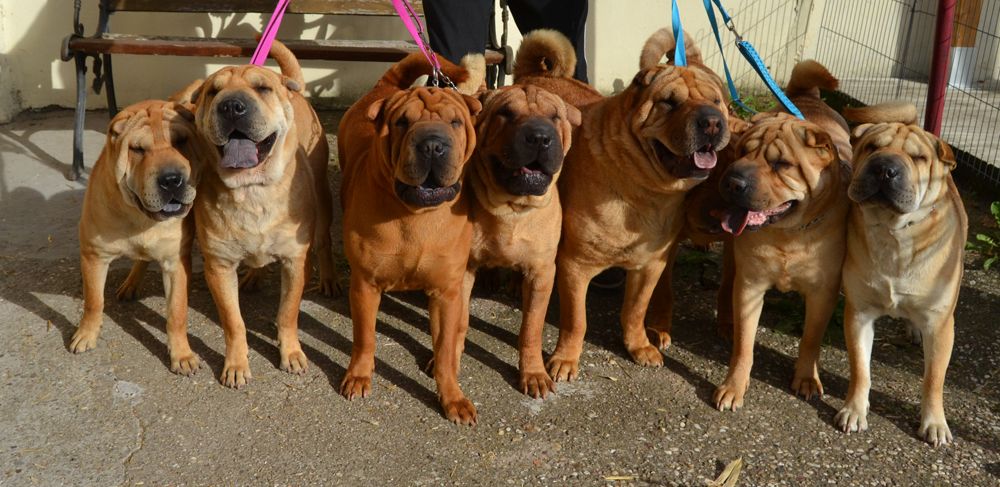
(293, 283)
(819, 309)
(322, 241)
(748, 301)
(129, 288)
(536, 290)
(661, 306)
(175, 286)
(724, 300)
(938, 339)
(223, 283)
(859, 332)
(572, 280)
(448, 331)
(365, 300)
(639, 285)
(94, 269)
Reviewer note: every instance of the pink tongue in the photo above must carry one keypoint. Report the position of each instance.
(736, 221)
(705, 160)
(239, 154)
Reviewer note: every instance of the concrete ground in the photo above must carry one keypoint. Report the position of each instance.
(116, 415)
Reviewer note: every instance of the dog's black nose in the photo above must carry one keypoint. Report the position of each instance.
(432, 147)
(233, 108)
(710, 121)
(170, 181)
(735, 183)
(538, 139)
(885, 169)
(710, 125)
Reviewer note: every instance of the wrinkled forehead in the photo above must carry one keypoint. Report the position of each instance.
(241, 76)
(422, 103)
(773, 138)
(908, 139)
(155, 119)
(683, 82)
(530, 99)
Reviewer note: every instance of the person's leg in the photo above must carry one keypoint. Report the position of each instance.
(458, 27)
(566, 16)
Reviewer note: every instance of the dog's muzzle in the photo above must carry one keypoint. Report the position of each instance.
(884, 179)
(531, 159)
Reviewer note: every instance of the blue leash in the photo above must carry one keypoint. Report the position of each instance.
(680, 54)
(745, 48)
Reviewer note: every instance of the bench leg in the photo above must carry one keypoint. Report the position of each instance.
(109, 85)
(81, 113)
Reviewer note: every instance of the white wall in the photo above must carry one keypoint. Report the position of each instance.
(33, 76)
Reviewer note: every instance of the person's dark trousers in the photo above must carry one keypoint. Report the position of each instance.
(458, 27)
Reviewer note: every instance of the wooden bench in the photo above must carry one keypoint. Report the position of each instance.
(103, 44)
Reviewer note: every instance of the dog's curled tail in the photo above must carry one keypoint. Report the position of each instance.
(662, 43)
(545, 52)
(889, 112)
(469, 77)
(808, 77)
(288, 63)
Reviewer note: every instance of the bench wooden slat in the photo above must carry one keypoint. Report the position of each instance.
(333, 7)
(326, 49)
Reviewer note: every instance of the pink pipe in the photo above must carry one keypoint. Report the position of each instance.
(939, 66)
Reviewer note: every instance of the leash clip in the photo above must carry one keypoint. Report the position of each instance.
(416, 29)
(731, 26)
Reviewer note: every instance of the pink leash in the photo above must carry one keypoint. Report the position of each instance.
(416, 29)
(270, 32)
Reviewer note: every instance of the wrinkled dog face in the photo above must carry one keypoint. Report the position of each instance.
(427, 136)
(245, 112)
(157, 152)
(782, 164)
(523, 133)
(681, 115)
(898, 166)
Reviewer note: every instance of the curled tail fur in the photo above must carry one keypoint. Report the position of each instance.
(468, 77)
(545, 52)
(889, 112)
(288, 63)
(662, 43)
(808, 77)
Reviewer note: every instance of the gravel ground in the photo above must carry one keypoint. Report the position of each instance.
(116, 415)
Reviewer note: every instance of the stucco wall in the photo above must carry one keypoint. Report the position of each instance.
(33, 76)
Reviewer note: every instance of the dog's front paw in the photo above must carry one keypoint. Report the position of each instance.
(537, 384)
(852, 418)
(84, 339)
(729, 396)
(808, 387)
(236, 373)
(460, 411)
(934, 430)
(356, 386)
(659, 338)
(184, 363)
(647, 356)
(294, 362)
(563, 368)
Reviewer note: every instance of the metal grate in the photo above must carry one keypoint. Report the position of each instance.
(881, 51)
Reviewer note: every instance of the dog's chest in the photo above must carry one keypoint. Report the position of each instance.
(250, 230)
(521, 242)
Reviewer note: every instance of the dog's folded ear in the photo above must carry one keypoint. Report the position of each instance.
(573, 115)
(861, 130)
(291, 84)
(375, 110)
(944, 153)
(475, 106)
